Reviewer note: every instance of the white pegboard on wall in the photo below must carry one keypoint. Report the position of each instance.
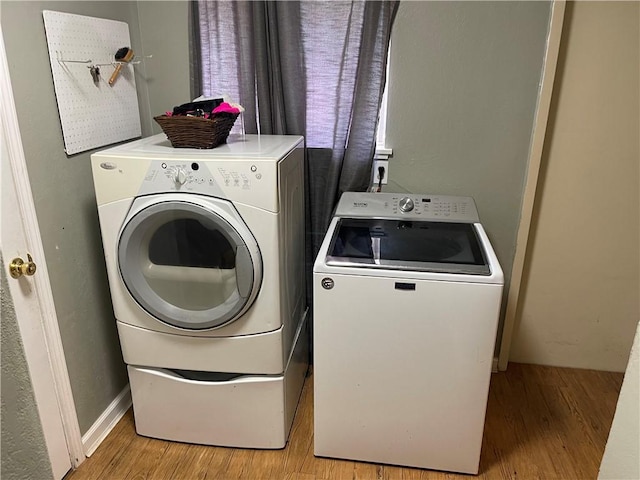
(92, 112)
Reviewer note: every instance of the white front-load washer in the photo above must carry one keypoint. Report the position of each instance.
(407, 292)
(205, 257)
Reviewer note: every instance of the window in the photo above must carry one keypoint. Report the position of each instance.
(382, 152)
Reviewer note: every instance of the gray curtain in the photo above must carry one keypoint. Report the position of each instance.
(311, 68)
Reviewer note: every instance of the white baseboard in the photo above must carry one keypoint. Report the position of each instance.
(105, 423)
(494, 367)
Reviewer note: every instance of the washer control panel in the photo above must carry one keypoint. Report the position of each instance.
(410, 206)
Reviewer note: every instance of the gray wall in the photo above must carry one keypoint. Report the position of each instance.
(164, 28)
(24, 452)
(462, 90)
(65, 205)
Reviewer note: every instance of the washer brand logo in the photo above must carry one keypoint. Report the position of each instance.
(360, 204)
(327, 283)
(108, 165)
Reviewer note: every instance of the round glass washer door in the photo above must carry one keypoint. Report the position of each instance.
(191, 265)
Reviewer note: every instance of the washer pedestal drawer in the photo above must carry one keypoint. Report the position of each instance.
(250, 411)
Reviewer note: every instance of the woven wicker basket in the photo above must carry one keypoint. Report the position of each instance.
(197, 132)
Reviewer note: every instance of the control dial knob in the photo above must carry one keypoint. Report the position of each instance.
(406, 204)
(180, 176)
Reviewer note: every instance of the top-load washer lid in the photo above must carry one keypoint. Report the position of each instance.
(410, 232)
(415, 245)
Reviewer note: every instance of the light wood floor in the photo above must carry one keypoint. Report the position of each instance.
(542, 422)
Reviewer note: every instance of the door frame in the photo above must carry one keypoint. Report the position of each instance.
(50, 331)
(543, 108)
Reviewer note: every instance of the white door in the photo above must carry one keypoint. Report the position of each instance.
(19, 237)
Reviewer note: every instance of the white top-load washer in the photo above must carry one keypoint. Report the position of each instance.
(407, 292)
